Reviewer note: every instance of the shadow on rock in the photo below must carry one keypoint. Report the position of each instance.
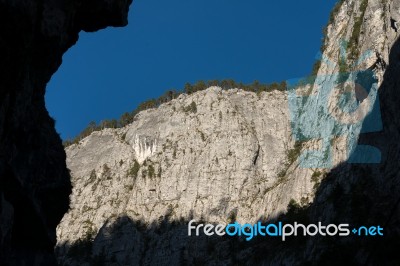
(357, 194)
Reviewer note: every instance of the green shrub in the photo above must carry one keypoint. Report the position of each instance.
(293, 205)
(203, 137)
(232, 216)
(315, 178)
(151, 171)
(174, 153)
(123, 137)
(355, 36)
(191, 108)
(292, 156)
(106, 170)
(294, 153)
(93, 176)
(133, 171)
(159, 172)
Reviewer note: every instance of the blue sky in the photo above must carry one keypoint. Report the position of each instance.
(169, 43)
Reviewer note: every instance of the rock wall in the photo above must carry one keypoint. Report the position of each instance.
(242, 156)
(204, 162)
(34, 181)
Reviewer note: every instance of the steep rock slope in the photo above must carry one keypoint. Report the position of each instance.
(220, 156)
(34, 180)
(237, 155)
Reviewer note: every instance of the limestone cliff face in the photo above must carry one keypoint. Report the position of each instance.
(205, 162)
(238, 155)
(34, 181)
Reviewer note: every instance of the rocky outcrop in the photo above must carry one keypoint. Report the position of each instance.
(34, 181)
(219, 156)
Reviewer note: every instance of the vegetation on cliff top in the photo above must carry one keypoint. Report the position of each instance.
(352, 45)
(128, 118)
(332, 17)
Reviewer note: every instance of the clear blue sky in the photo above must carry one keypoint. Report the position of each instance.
(169, 43)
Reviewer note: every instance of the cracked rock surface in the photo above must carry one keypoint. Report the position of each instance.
(233, 157)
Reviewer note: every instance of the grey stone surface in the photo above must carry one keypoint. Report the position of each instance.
(231, 156)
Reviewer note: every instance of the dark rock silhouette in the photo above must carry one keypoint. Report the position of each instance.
(34, 181)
